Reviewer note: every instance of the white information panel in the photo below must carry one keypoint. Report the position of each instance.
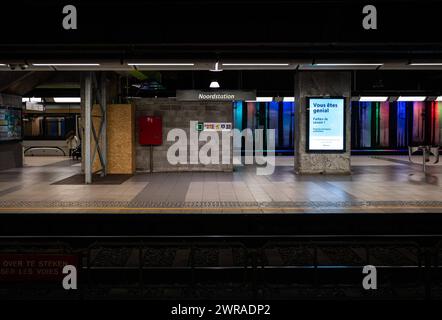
(326, 124)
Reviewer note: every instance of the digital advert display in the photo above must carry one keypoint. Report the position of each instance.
(326, 127)
(10, 124)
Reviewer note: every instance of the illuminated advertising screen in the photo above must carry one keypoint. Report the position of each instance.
(10, 124)
(326, 124)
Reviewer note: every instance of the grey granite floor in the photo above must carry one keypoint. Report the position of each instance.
(378, 184)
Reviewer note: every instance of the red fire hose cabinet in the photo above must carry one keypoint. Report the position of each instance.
(150, 130)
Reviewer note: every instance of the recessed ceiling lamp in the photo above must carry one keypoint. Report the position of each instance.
(67, 100)
(65, 64)
(373, 99)
(411, 99)
(214, 85)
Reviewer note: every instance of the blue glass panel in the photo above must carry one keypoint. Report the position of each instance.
(237, 115)
(365, 123)
(402, 124)
(287, 123)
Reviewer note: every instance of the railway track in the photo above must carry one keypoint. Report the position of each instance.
(241, 267)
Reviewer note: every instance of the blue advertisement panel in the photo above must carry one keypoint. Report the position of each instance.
(10, 124)
(326, 124)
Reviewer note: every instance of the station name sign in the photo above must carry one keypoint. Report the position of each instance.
(231, 95)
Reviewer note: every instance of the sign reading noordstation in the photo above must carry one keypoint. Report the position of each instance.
(218, 95)
(326, 124)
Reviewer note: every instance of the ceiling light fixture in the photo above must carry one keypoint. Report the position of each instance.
(214, 85)
(411, 99)
(289, 99)
(67, 100)
(348, 64)
(257, 64)
(425, 64)
(373, 99)
(264, 99)
(162, 64)
(65, 64)
(438, 98)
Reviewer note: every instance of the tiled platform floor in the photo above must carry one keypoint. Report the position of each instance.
(378, 184)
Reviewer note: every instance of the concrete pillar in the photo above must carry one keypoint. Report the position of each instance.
(87, 129)
(82, 117)
(314, 84)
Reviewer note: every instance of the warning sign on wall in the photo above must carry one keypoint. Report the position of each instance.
(29, 267)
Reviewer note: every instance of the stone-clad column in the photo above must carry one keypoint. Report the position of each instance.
(320, 83)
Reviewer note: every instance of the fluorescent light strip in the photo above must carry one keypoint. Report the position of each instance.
(373, 99)
(67, 100)
(264, 99)
(2, 65)
(411, 99)
(348, 64)
(257, 64)
(289, 99)
(439, 98)
(426, 64)
(65, 64)
(161, 64)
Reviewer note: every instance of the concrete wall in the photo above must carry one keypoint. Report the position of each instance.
(11, 152)
(178, 114)
(319, 83)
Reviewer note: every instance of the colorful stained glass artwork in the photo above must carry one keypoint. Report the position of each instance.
(268, 115)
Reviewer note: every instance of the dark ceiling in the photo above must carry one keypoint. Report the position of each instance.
(267, 83)
(274, 29)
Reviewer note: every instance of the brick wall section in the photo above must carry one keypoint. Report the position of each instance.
(178, 114)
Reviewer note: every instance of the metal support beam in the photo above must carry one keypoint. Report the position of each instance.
(95, 140)
(87, 127)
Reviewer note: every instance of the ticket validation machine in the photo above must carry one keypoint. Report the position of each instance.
(150, 134)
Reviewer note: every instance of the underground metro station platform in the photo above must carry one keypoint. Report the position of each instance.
(221, 149)
(389, 184)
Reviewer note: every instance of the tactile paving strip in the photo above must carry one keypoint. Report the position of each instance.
(216, 204)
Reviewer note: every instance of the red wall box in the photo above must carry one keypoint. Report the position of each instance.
(150, 130)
